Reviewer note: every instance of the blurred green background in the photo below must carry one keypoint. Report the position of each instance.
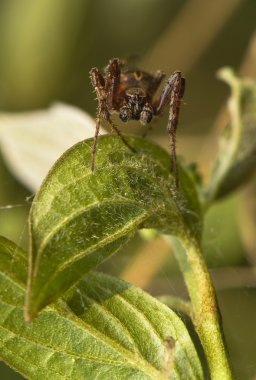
(46, 51)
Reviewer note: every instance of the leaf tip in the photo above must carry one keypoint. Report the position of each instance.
(227, 75)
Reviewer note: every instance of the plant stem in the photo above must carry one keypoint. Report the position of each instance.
(205, 314)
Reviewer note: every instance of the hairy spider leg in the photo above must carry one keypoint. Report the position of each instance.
(94, 145)
(119, 134)
(112, 80)
(98, 83)
(147, 130)
(105, 90)
(159, 75)
(172, 94)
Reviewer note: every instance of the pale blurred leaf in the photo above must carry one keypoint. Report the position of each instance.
(32, 141)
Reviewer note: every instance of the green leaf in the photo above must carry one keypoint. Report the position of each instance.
(236, 161)
(80, 218)
(102, 329)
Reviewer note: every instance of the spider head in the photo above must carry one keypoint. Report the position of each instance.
(134, 106)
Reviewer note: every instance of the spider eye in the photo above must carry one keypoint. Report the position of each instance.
(125, 114)
(146, 115)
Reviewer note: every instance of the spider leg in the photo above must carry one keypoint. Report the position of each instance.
(172, 94)
(119, 134)
(98, 83)
(156, 82)
(94, 145)
(145, 133)
(105, 89)
(113, 73)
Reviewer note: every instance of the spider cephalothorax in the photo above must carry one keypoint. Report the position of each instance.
(130, 94)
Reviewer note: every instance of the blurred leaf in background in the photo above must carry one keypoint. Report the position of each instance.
(32, 141)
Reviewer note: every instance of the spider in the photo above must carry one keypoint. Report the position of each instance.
(130, 93)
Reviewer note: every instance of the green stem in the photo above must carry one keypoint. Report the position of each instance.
(205, 313)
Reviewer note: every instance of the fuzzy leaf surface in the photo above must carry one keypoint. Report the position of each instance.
(236, 161)
(103, 328)
(80, 218)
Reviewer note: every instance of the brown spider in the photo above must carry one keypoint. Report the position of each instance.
(130, 93)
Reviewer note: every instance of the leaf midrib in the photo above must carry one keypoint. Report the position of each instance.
(74, 215)
(122, 166)
(92, 248)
